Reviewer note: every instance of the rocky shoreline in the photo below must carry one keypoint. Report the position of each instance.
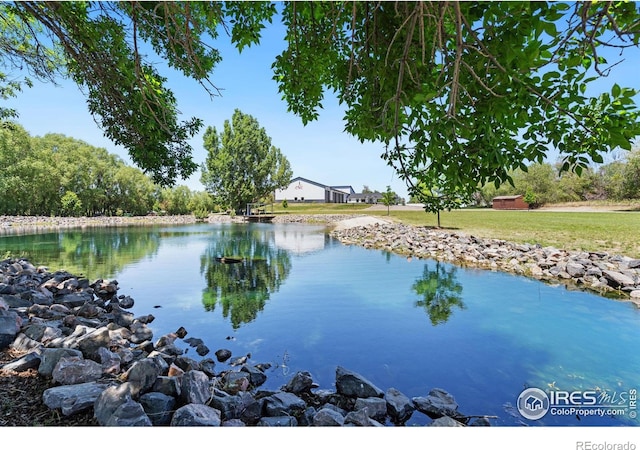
(22, 224)
(98, 357)
(599, 272)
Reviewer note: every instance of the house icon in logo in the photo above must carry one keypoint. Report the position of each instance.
(533, 403)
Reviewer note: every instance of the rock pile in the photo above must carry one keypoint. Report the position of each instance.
(595, 271)
(320, 219)
(79, 335)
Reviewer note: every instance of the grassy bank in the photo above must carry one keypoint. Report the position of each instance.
(616, 232)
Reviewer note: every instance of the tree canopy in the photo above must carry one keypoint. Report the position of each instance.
(59, 175)
(458, 93)
(242, 165)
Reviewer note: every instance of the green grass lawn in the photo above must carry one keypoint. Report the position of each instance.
(613, 232)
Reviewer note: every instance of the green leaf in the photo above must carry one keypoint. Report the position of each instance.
(615, 90)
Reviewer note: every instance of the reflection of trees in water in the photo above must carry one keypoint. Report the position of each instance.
(94, 252)
(242, 288)
(441, 292)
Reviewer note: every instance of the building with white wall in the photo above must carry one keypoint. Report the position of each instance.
(304, 190)
(370, 198)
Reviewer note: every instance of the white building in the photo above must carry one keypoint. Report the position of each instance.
(303, 190)
(371, 198)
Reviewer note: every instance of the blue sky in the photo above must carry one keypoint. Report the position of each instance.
(320, 151)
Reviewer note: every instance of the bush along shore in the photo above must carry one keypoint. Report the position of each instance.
(98, 357)
(600, 272)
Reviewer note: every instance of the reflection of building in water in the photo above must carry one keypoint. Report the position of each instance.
(302, 239)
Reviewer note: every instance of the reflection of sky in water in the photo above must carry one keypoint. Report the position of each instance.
(344, 305)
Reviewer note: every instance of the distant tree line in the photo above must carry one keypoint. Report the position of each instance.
(541, 183)
(545, 183)
(59, 175)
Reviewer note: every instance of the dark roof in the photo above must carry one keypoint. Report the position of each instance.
(306, 180)
(349, 188)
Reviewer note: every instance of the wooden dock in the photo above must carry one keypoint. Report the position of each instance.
(258, 217)
(257, 212)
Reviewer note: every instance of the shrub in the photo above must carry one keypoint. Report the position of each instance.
(201, 214)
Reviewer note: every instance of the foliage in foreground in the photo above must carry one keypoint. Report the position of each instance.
(460, 93)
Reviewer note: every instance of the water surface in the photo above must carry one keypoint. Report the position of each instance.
(303, 301)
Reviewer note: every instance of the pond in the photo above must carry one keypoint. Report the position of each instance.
(301, 300)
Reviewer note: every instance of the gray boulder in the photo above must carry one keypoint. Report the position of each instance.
(24, 343)
(89, 343)
(208, 366)
(9, 327)
(76, 370)
(109, 400)
(399, 407)
(575, 269)
(360, 418)
(375, 407)
(129, 414)
(351, 384)
(278, 421)
(202, 349)
(110, 361)
(142, 375)
(71, 399)
(445, 421)
(158, 407)
(328, 417)
(234, 382)
(284, 404)
(196, 415)
(167, 385)
(74, 299)
(437, 403)
(300, 382)
(617, 279)
(223, 354)
(256, 376)
(633, 264)
(242, 406)
(195, 387)
(29, 361)
(141, 332)
(13, 301)
(42, 332)
(51, 356)
(233, 423)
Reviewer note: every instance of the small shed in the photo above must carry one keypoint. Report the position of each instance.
(510, 202)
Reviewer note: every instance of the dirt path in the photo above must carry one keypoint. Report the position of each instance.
(360, 222)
